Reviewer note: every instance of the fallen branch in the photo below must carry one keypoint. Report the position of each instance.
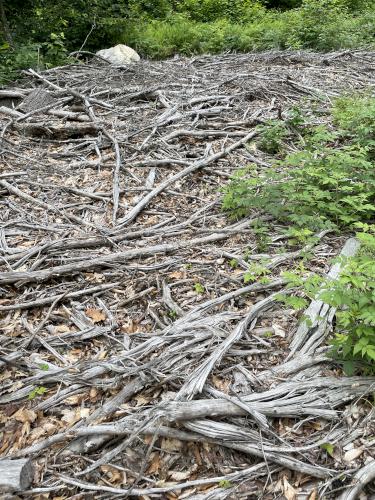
(318, 313)
(364, 476)
(15, 475)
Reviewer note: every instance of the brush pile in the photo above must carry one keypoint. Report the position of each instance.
(135, 361)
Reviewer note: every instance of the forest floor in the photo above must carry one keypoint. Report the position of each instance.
(135, 362)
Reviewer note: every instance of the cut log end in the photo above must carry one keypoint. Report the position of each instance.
(15, 475)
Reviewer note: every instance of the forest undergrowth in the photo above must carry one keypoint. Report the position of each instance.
(42, 34)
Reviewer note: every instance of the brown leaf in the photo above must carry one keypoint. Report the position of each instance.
(94, 392)
(70, 417)
(24, 415)
(113, 474)
(101, 355)
(94, 277)
(279, 332)
(75, 400)
(221, 384)
(353, 454)
(96, 315)
(142, 400)
(130, 327)
(178, 275)
(179, 476)
(61, 329)
(170, 444)
(155, 464)
(289, 492)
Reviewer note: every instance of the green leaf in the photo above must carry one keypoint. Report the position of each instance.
(224, 483)
(328, 447)
(38, 391)
(349, 368)
(199, 288)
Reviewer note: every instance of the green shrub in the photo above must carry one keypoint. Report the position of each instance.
(211, 10)
(162, 28)
(330, 189)
(329, 182)
(32, 55)
(272, 136)
(355, 116)
(13, 60)
(354, 295)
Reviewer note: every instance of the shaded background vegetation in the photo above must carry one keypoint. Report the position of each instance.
(42, 33)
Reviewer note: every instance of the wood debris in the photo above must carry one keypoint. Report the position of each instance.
(134, 360)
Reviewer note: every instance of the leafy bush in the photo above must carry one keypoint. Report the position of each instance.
(353, 294)
(272, 136)
(163, 28)
(356, 118)
(328, 189)
(328, 183)
(32, 55)
(237, 11)
(13, 60)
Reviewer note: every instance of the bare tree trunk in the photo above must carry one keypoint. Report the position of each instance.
(4, 24)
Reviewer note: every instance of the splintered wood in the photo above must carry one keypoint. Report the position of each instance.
(135, 361)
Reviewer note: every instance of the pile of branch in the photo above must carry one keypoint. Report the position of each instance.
(134, 360)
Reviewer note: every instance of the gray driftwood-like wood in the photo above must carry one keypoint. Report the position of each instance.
(15, 475)
(318, 313)
(37, 99)
(110, 216)
(360, 479)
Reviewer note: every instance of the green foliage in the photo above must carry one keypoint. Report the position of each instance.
(328, 447)
(292, 301)
(355, 116)
(320, 185)
(233, 263)
(212, 10)
(55, 50)
(353, 294)
(299, 235)
(224, 483)
(38, 391)
(328, 182)
(261, 232)
(44, 31)
(256, 272)
(309, 189)
(199, 288)
(272, 135)
(217, 25)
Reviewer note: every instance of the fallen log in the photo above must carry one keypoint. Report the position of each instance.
(53, 131)
(15, 475)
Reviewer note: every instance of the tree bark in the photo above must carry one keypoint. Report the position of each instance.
(5, 25)
(15, 475)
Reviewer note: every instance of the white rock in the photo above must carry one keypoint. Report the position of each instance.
(120, 54)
